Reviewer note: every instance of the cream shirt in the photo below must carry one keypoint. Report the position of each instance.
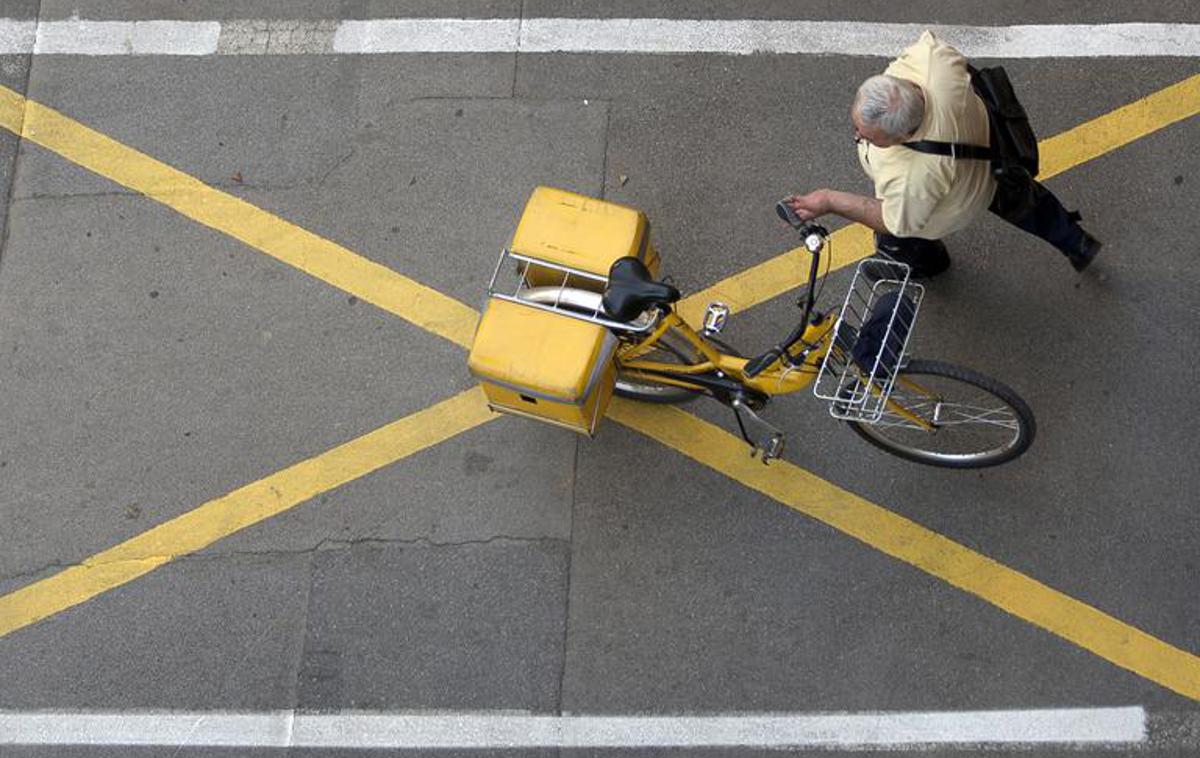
(926, 195)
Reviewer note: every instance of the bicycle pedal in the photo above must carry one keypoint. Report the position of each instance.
(715, 318)
(768, 449)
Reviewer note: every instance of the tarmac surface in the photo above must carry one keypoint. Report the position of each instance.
(154, 364)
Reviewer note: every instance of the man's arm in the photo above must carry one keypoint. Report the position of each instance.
(865, 210)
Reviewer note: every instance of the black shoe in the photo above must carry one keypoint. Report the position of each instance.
(1089, 246)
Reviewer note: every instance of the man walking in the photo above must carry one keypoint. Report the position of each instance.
(920, 197)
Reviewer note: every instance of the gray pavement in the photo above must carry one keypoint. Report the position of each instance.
(154, 364)
(14, 74)
(732, 603)
(426, 627)
(914, 11)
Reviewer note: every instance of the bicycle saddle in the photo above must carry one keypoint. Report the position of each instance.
(632, 290)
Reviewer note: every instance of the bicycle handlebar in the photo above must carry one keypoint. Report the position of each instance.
(814, 234)
(814, 239)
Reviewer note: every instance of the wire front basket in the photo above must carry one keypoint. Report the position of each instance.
(870, 339)
(558, 289)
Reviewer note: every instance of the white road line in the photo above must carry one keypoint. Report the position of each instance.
(854, 38)
(17, 37)
(1068, 726)
(562, 35)
(427, 36)
(81, 37)
(728, 37)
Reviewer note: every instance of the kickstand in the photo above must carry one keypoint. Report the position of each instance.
(769, 441)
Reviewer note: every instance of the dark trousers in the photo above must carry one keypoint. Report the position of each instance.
(1047, 219)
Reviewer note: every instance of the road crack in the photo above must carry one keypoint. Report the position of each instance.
(325, 545)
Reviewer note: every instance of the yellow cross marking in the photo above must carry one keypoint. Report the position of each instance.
(1022, 596)
(888, 532)
(245, 506)
(263, 231)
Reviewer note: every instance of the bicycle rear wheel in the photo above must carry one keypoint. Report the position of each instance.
(977, 421)
(670, 348)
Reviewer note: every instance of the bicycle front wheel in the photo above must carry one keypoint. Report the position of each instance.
(973, 420)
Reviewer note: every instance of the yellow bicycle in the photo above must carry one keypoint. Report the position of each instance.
(855, 357)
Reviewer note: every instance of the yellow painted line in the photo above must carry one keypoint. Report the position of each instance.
(851, 244)
(1118, 128)
(244, 507)
(778, 275)
(1026, 598)
(264, 231)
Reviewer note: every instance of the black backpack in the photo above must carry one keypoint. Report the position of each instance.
(1014, 150)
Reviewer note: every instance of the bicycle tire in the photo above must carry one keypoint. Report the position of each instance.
(649, 391)
(1024, 427)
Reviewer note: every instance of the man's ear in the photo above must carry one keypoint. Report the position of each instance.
(920, 96)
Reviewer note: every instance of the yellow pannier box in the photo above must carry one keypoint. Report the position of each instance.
(582, 233)
(544, 365)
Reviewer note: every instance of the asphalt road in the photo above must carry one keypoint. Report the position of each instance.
(152, 364)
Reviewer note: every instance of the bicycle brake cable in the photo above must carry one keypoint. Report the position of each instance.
(828, 267)
(787, 369)
(825, 276)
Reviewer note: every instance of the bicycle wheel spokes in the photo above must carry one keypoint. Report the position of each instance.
(966, 420)
(950, 414)
(970, 420)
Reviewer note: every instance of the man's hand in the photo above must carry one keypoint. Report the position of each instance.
(810, 206)
(864, 210)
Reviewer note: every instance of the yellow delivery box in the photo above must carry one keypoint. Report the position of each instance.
(540, 355)
(582, 233)
(544, 365)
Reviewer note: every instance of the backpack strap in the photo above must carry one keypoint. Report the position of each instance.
(954, 150)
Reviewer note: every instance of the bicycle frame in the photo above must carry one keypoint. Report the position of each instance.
(788, 374)
(789, 367)
(744, 385)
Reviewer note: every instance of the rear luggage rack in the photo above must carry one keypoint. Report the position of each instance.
(578, 295)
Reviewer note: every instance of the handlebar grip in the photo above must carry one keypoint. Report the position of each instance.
(786, 213)
(757, 365)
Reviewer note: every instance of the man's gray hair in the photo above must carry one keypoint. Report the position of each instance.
(892, 105)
